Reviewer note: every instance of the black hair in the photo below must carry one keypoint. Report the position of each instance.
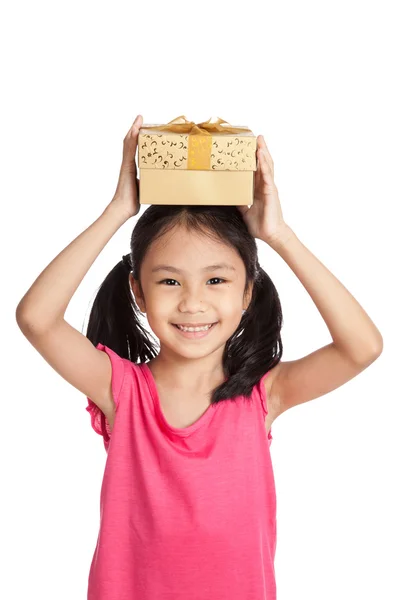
(252, 350)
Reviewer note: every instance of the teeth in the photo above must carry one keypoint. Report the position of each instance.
(194, 328)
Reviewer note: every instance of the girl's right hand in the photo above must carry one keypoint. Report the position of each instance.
(126, 195)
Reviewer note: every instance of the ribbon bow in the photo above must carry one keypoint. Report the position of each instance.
(182, 125)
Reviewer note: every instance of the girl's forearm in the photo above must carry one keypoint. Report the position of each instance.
(48, 297)
(349, 325)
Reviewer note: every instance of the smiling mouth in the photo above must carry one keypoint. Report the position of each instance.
(202, 325)
(209, 325)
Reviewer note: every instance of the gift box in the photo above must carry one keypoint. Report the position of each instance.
(183, 162)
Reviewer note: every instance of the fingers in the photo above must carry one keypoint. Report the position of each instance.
(131, 142)
(264, 156)
(137, 123)
(134, 130)
(267, 171)
(261, 145)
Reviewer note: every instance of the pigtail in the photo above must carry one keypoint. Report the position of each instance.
(114, 317)
(256, 346)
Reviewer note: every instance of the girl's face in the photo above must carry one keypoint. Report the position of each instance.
(181, 286)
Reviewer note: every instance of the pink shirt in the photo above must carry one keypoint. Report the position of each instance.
(185, 514)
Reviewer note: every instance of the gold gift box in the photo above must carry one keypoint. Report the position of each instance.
(207, 163)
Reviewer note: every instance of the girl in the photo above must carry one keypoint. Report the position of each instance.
(188, 506)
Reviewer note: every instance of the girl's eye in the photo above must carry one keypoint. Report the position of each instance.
(212, 279)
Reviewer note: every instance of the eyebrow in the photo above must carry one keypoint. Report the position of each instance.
(209, 268)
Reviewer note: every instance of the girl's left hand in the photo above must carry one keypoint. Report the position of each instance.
(264, 219)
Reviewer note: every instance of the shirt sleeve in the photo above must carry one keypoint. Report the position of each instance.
(98, 419)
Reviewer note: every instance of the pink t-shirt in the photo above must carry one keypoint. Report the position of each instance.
(185, 514)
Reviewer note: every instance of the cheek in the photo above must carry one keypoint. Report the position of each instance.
(230, 305)
(160, 310)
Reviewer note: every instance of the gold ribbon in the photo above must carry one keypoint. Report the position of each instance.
(182, 125)
(200, 137)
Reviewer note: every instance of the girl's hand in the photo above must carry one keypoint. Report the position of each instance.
(264, 218)
(126, 195)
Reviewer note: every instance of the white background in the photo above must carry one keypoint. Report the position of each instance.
(320, 81)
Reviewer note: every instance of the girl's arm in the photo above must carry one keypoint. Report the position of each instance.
(352, 330)
(46, 301)
(40, 313)
(356, 340)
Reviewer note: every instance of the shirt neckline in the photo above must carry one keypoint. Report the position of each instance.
(180, 431)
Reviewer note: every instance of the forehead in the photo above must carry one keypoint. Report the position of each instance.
(190, 251)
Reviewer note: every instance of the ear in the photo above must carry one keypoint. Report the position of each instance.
(136, 292)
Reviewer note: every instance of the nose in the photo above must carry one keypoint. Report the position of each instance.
(191, 302)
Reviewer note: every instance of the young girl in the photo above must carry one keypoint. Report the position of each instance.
(188, 506)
